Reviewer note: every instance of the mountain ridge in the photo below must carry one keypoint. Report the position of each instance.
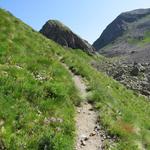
(120, 27)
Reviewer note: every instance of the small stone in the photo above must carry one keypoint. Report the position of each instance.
(84, 137)
(93, 133)
(91, 109)
(104, 136)
(59, 120)
(78, 111)
(83, 143)
(108, 137)
(97, 127)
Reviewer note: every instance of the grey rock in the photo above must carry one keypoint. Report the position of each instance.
(84, 137)
(145, 92)
(140, 67)
(83, 143)
(135, 71)
(52, 120)
(61, 34)
(93, 133)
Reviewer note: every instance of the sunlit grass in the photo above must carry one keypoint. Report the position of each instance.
(122, 112)
(37, 94)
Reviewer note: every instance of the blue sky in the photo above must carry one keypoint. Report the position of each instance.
(87, 18)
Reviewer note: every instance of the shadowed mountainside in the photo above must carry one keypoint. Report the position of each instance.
(128, 35)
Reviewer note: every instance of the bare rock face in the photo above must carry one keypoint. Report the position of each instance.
(61, 34)
(125, 35)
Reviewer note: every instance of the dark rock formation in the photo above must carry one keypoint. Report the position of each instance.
(61, 34)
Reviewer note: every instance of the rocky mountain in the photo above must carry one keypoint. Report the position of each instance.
(127, 41)
(61, 34)
(128, 35)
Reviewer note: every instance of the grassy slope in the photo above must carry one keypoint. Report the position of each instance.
(122, 112)
(34, 85)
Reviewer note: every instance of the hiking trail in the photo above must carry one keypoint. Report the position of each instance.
(87, 128)
(87, 136)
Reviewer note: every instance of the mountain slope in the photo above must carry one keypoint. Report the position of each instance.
(127, 35)
(61, 34)
(37, 95)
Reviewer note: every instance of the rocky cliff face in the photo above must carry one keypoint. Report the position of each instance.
(61, 34)
(125, 35)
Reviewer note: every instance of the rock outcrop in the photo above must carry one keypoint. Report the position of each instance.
(61, 34)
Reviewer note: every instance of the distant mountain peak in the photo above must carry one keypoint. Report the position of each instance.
(118, 26)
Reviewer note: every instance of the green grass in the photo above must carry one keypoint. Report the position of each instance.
(141, 42)
(122, 112)
(37, 94)
(35, 87)
(146, 37)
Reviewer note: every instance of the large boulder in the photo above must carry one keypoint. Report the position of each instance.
(61, 34)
